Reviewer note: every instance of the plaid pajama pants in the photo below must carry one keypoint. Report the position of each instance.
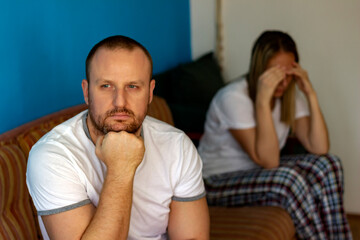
(309, 187)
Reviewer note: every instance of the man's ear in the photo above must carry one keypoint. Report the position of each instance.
(85, 88)
(151, 89)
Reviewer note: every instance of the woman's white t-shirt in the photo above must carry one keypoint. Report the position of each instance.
(232, 108)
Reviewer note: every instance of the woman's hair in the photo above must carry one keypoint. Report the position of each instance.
(265, 47)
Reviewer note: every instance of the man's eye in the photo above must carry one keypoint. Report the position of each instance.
(132, 86)
(105, 86)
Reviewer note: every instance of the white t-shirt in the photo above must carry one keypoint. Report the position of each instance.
(64, 173)
(232, 108)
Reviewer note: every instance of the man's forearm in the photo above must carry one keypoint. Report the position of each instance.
(122, 153)
(112, 217)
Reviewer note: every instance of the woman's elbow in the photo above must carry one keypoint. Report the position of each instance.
(269, 163)
(320, 150)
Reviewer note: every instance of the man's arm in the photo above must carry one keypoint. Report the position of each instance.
(122, 153)
(62, 225)
(110, 220)
(189, 220)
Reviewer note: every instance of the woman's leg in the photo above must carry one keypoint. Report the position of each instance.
(325, 176)
(283, 187)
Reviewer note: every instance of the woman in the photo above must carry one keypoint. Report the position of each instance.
(247, 125)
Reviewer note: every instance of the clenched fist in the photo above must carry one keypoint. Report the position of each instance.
(122, 152)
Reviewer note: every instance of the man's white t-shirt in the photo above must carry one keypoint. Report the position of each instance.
(232, 108)
(64, 173)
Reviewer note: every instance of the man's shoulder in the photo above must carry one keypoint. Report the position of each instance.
(158, 126)
(162, 133)
(64, 133)
(65, 145)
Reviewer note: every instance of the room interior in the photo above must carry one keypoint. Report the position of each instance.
(46, 43)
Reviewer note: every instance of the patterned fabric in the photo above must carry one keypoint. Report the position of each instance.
(16, 217)
(309, 187)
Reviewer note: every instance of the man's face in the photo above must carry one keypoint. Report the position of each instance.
(119, 91)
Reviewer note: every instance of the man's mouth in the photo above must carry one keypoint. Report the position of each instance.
(120, 116)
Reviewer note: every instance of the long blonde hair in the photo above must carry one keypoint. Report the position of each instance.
(265, 47)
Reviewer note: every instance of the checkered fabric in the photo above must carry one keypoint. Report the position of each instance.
(309, 187)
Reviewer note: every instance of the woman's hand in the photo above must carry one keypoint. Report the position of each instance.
(268, 81)
(302, 79)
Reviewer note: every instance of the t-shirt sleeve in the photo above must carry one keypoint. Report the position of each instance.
(301, 106)
(190, 185)
(52, 180)
(235, 110)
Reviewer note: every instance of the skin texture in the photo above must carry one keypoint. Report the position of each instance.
(118, 96)
(261, 142)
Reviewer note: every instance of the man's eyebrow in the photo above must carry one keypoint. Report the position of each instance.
(138, 82)
(133, 82)
(102, 80)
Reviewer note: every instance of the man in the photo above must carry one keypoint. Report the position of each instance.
(111, 172)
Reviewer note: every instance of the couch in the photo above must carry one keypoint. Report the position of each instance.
(18, 218)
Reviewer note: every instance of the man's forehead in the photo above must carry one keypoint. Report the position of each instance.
(128, 51)
(103, 54)
(108, 62)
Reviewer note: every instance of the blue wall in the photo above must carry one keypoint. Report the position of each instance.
(44, 43)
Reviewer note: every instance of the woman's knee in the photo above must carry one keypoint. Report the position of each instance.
(321, 165)
(290, 183)
(333, 160)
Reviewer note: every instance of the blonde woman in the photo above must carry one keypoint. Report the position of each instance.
(247, 125)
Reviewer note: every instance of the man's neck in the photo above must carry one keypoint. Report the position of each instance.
(94, 133)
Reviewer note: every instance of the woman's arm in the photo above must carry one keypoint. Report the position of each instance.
(261, 143)
(311, 131)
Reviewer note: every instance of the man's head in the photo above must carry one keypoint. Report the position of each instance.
(115, 42)
(118, 88)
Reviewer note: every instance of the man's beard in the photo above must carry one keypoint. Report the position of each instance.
(99, 122)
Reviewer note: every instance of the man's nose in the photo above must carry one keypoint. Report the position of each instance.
(119, 98)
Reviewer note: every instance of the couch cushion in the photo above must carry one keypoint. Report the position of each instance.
(197, 82)
(160, 110)
(188, 89)
(16, 217)
(255, 223)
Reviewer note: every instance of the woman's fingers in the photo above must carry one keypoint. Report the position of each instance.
(269, 80)
(272, 77)
(301, 77)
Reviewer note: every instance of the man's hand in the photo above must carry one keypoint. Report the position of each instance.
(122, 152)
